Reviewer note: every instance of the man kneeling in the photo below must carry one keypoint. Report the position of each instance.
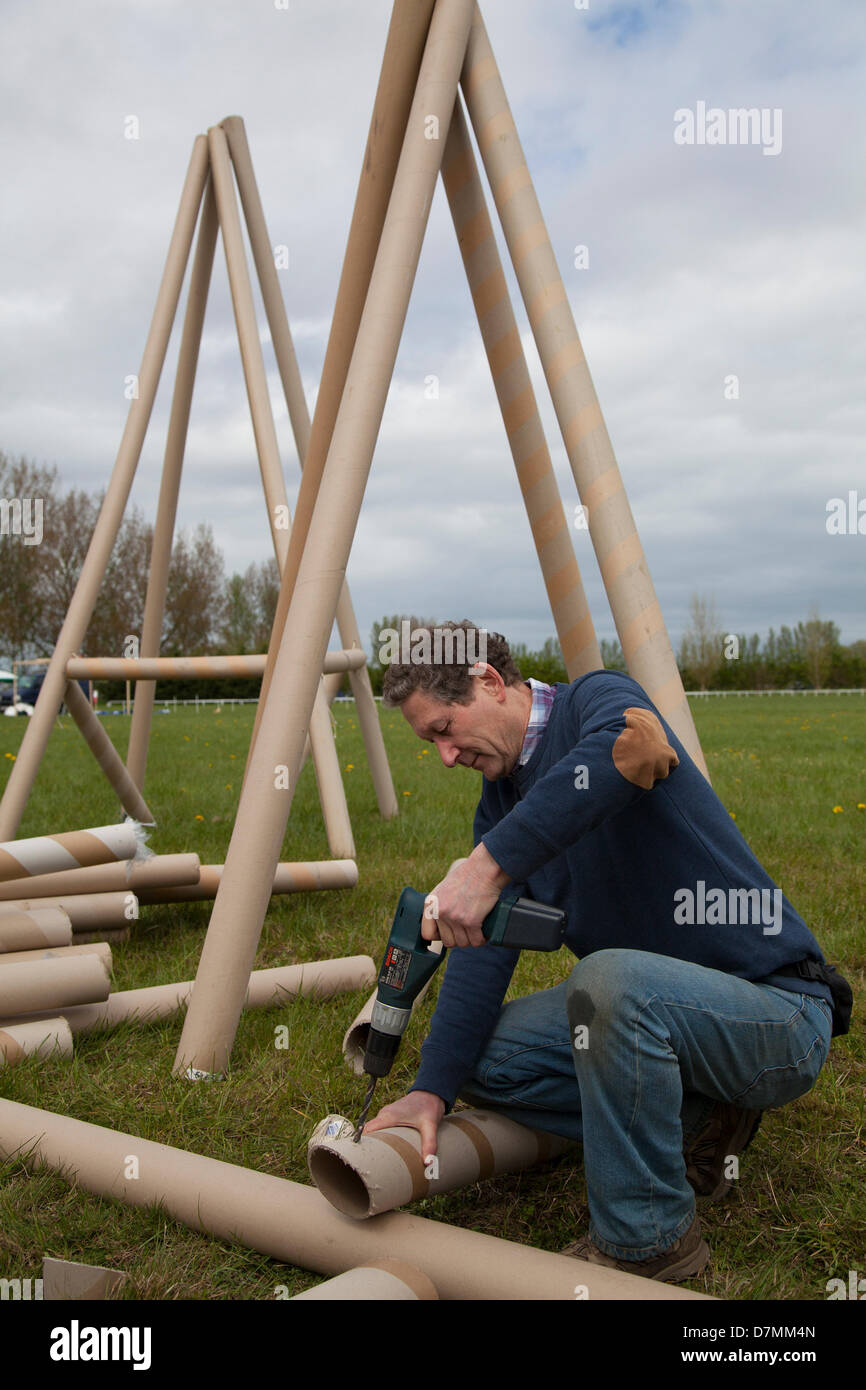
(693, 1004)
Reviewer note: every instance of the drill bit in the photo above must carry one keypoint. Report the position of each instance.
(368, 1100)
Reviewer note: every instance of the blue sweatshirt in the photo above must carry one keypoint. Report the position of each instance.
(612, 821)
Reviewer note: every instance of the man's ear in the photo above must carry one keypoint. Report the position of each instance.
(490, 679)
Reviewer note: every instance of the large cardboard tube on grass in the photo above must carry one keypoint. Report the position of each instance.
(294, 1223)
(387, 1280)
(52, 984)
(84, 911)
(48, 1037)
(158, 872)
(301, 877)
(92, 948)
(74, 849)
(29, 929)
(267, 989)
(386, 1170)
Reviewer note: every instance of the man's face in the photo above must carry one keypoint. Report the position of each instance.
(486, 734)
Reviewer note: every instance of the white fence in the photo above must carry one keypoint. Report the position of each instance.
(705, 694)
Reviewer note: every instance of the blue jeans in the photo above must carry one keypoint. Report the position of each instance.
(629, 1055)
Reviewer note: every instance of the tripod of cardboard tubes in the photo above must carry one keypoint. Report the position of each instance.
(209, 185)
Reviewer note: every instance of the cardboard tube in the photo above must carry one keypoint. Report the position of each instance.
(170, 668)
(386, 1169)
(85, 911)
(331, 686)
(288, 878)
(296, 403)
(401, 63)
(94, 948)
(49, 1037)
(294, 1224)
(387, 1280)
(263, 811)
(166, 512)
(75, 849)
(355, 1039)
(160, 871)
(634, 605)
(266, 989)
(72, 634)
(52, 984)
(28, 929)
(332, 793)
(550, 530)
(106, 754)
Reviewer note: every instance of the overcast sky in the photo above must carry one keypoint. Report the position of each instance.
(706, 262)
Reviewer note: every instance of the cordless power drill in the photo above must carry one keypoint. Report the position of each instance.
(409, 963)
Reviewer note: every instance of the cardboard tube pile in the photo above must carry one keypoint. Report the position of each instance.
(32, 982)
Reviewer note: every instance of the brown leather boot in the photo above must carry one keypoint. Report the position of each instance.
(682, 1260)
(728, 1132)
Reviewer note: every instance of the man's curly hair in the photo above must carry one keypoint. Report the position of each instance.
(448, 681)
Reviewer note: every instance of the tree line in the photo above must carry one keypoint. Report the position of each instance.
(808, 656)
(208, 612)
(205, 612)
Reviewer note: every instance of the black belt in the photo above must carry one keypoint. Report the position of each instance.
(807, 970)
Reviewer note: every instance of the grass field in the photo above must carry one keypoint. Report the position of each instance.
(791, 769)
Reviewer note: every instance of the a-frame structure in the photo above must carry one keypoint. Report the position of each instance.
(432, 46)
(209, 187)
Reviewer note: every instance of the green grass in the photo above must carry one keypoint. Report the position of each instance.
(781, 764)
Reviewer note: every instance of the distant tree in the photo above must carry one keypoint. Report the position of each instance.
(545, 665)
(195, 600)
(28, 494)
(239, 630)
(612, 655)
(815, 642)
(68, 531)
(701, 649)
(264, 581)
(119, 610)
